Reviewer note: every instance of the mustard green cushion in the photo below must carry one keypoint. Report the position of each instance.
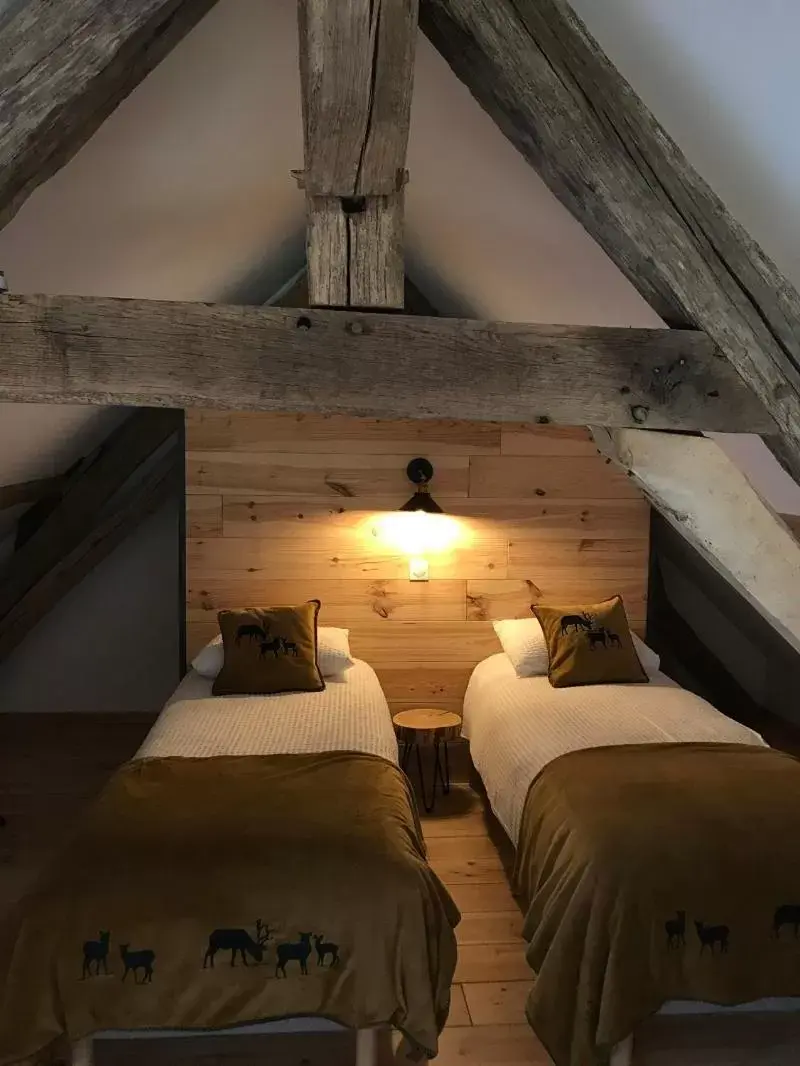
(589, 645)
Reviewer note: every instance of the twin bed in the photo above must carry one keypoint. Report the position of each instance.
(260, 861)
(655, 855)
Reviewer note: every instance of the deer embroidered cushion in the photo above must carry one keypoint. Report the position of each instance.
(523, 642)
(269, 650)
(589, 645)
(333, 654)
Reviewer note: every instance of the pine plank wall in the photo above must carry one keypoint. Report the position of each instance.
(284, 508)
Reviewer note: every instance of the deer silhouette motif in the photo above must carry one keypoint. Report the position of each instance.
(290, 648)
(237, 941)
(324, 949)
(596, 636)
(788, 914)
(675, 928)
(711, 935)
(262, 932)
(275, 646)
(577, 621)
(300, 950)
(137, 960)
(613, 639)
(251, 633)
(96, 951)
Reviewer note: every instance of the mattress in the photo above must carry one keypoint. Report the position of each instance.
(351, 714)
(516, 726)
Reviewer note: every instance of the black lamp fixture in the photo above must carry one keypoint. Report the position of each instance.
(419, 473)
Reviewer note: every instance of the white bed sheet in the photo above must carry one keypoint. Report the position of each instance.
(351, 714)
(517, 725)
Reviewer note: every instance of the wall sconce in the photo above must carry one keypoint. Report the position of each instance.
(420, 527)
(419, 473)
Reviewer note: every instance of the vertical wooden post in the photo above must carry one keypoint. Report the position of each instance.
(356, 67)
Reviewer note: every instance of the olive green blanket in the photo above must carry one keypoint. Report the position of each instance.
(204, 893)
(654, 873)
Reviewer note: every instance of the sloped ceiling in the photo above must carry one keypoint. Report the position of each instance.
(185, 193)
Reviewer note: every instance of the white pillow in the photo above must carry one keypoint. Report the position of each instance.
(333, 651)
(333, 654)
(650, 660)
(523, 642)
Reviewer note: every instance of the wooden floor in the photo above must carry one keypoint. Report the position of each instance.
(50, 766)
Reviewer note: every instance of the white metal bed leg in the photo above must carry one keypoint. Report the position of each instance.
(83, 1052)
(366, 1047)
(622, 1053)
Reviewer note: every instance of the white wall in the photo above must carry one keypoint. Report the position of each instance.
(185, 193)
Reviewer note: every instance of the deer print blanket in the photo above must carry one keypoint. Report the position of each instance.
(206, 893)
(654, 873)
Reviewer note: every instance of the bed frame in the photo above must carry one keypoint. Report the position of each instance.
(622, 1053)
(83, 1050)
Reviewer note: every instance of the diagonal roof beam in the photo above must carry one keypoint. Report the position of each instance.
(702, 494)
(64, 67)
(545, 81)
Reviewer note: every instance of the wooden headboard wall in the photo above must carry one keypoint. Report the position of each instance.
(281, 508)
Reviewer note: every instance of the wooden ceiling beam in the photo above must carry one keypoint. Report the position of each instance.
(85, 500)
(29, 491)
(99, 534)
(109, 351)
(64, 68)
(702, 493)
(356, 71)
(535, 69)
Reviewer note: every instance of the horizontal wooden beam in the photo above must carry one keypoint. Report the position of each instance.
(550, 88)
(63, 70)
(92, 350)
(29, 491)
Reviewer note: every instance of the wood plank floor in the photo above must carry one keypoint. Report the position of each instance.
(51, 765)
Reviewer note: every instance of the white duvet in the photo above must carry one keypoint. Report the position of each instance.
(517, 725)
(351, 714)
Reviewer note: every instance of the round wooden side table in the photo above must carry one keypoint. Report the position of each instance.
(427, 726)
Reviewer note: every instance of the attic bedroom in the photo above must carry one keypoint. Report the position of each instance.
(399, 516)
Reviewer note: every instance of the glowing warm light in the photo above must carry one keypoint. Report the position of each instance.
(418, 533)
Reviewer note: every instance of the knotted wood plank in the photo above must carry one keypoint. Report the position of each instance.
(95, 350)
